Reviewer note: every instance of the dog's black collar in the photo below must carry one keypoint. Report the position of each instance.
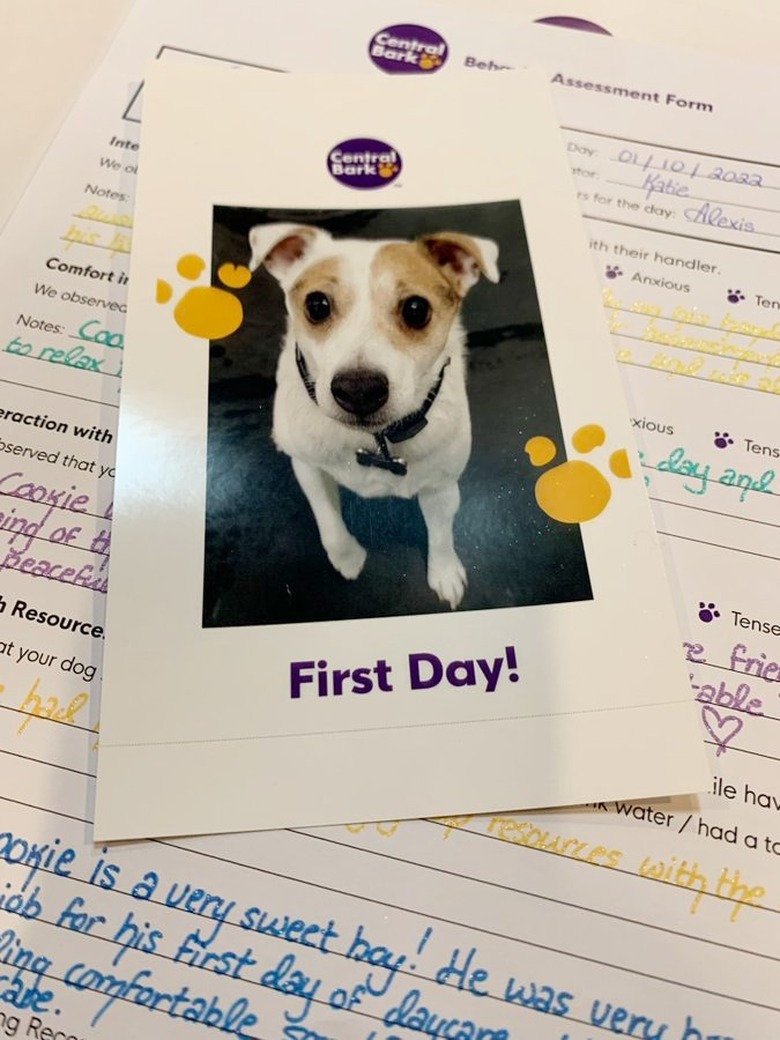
(396, 432)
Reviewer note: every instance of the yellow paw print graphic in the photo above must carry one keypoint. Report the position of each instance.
(575, 491)
(387, 169)
(429, 61)
(205, 310)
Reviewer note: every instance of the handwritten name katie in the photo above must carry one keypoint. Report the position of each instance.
(424, 671)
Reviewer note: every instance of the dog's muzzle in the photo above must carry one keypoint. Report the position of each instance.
(360, 391)
(364, 392)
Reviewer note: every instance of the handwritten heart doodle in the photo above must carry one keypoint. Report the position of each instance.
(722, 728)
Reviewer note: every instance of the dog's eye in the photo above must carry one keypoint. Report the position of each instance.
(416, 312)
(317, 307)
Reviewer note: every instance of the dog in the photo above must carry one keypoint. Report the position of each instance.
(371, 379)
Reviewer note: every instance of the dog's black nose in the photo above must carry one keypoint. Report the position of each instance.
(360, 391)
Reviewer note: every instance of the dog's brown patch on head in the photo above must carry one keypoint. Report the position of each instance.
(326, 276)
(401, 270)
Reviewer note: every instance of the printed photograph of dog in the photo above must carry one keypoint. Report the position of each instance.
(366, 421)
(371, 383)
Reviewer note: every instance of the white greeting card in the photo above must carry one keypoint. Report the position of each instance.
(379, 548)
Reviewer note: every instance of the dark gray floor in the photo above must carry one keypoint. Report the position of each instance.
(263, 560)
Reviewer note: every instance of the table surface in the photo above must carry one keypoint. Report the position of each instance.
(34, 103)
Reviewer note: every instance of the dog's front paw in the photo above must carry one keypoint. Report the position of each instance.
(447, 578)
(347, 557)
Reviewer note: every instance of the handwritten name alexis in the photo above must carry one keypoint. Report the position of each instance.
(425, 671)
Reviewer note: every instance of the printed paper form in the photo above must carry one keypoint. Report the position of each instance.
(685, 231)
(675, 935)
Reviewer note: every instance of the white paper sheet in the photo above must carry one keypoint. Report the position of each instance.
(338, 657)
(674, 937)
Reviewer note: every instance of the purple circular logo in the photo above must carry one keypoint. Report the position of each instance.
(407, 48)
(364, 162)
(568, 22)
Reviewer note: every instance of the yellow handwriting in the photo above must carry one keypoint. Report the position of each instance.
(736, 891)
(615, 324)
(640, 307)
(690, 317)
(103, 216)
(675, 367)
(722, 347)
(35, 707)
(734, 377)
(747, 328)
(82, 236)
(452, 823)
(526, 832)
(688, 875)
(120, 243)
(385, 828)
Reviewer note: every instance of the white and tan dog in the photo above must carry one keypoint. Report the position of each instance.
(371, 390)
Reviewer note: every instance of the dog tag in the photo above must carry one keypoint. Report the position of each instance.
(372, 458)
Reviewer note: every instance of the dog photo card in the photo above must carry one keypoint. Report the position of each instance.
(380, 549)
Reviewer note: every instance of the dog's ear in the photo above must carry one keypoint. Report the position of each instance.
(280, 246)
(463, 258)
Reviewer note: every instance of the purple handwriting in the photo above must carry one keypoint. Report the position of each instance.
(721, 695)
(741, 661)
(722, 728)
